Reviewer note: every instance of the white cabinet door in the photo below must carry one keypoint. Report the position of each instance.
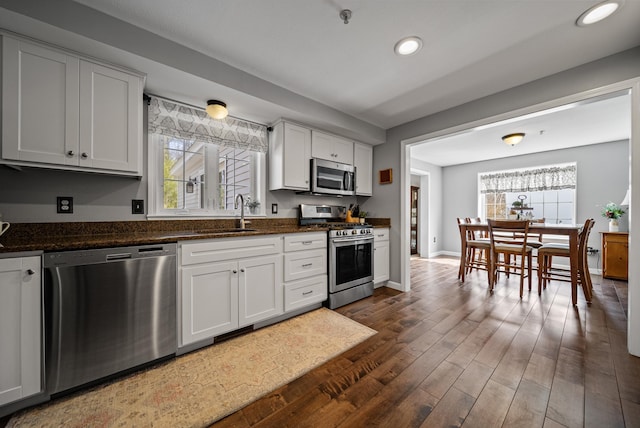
(331, 147)
(289, 157)
(20, 328)
(110, 119)
(39, 104)
(209, 300)
(260, 293)
(363, 161)
(380, 255)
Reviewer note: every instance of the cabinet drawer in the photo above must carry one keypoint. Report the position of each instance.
(215, 250)
(305, 292)
(305, 241)
(304, 264)
(381, 234)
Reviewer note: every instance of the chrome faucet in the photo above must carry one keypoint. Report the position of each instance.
(241, 209)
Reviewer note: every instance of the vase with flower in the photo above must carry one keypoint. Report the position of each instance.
(613, 212)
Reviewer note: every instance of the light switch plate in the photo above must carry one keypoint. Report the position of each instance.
(274, 208)
(137, 206)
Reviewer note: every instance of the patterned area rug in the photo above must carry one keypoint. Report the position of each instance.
(199, 388)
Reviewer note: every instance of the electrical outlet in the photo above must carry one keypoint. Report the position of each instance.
(64, 204)
(592, 251)
(137, 206)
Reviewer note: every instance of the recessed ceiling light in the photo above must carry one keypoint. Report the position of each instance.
(598, 12)
(408, 45)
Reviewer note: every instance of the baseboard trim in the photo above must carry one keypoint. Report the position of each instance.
(395, 286)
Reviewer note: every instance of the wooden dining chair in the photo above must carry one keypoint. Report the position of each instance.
(477, 254)
(509, 255)
(546, 270)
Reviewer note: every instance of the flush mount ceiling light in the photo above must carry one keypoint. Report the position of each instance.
(598, 12)
(217, 109)
(513, 139)
(408, 45)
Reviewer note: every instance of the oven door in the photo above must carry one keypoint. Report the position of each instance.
(350, 263)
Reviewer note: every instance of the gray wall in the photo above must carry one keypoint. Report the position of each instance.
(603, 176)
(386, 200)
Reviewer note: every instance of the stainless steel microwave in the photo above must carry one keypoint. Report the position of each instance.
(332, 178)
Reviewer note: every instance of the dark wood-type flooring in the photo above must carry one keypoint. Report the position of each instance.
(451, 354)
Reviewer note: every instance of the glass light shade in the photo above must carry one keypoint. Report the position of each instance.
(408, 45)
(598, 12)
(217, 109)
(513, 139)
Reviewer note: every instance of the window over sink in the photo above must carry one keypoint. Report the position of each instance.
(198, 165)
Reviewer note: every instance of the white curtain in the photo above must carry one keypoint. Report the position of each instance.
(529, 180)
(188, 123)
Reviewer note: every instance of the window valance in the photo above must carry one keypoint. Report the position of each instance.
(189, 123)
(530, 180)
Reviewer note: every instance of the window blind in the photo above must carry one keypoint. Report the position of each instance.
(530, 180)
(189, 123)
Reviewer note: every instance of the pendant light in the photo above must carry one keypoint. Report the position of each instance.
(217, 109)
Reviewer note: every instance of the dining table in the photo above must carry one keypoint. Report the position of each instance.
(571, 231)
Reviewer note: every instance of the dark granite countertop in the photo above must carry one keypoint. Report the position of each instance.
(77, 236)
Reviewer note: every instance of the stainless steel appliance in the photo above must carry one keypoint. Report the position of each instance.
(350, 253)
(106, 311)
(332, 178)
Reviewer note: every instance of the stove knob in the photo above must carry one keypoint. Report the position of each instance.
(354, 232)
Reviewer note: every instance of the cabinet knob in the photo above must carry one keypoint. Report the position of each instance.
(242, 270)
(235, 271)
(70, 153)
(31, 272)
(84, 155)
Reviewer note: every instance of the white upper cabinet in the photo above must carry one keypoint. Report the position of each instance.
(289, 157)
(62, 111)
(331, 147)
(363, 161)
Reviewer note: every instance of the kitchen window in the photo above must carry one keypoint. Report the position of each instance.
(198, 165)
(547, 192)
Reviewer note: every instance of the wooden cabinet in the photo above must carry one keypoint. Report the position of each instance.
(289, 157)
(615, 255)
(380, 255)
(226, 284)
(66, 112)
(331, 147)
(20, 328)
(363, 161)
(305, 270)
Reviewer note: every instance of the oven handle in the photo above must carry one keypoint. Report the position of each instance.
(353, 240)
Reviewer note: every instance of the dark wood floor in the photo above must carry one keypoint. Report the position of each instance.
(450, 354)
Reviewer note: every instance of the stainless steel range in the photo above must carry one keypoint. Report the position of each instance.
(350, 253)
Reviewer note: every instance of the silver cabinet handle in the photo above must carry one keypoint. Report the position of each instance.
(235, 271)
(307, 242)
(84, 155)
(31, 272)
(242, 270)
(70, 153)
(306, 293)
(307, 265)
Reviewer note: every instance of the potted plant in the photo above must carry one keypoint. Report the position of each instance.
(253, 206)
(362, 215)
(613, 212)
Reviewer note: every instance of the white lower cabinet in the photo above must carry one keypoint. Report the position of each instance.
(305, 270)
(224, 285)
(380, 255)
(20, 328)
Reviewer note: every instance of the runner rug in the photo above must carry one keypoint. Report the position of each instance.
(199, 388)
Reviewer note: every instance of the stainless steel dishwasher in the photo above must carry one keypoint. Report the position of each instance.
(106, 311)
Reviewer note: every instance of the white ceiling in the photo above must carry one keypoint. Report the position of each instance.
(594, 121)
(471, 48)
